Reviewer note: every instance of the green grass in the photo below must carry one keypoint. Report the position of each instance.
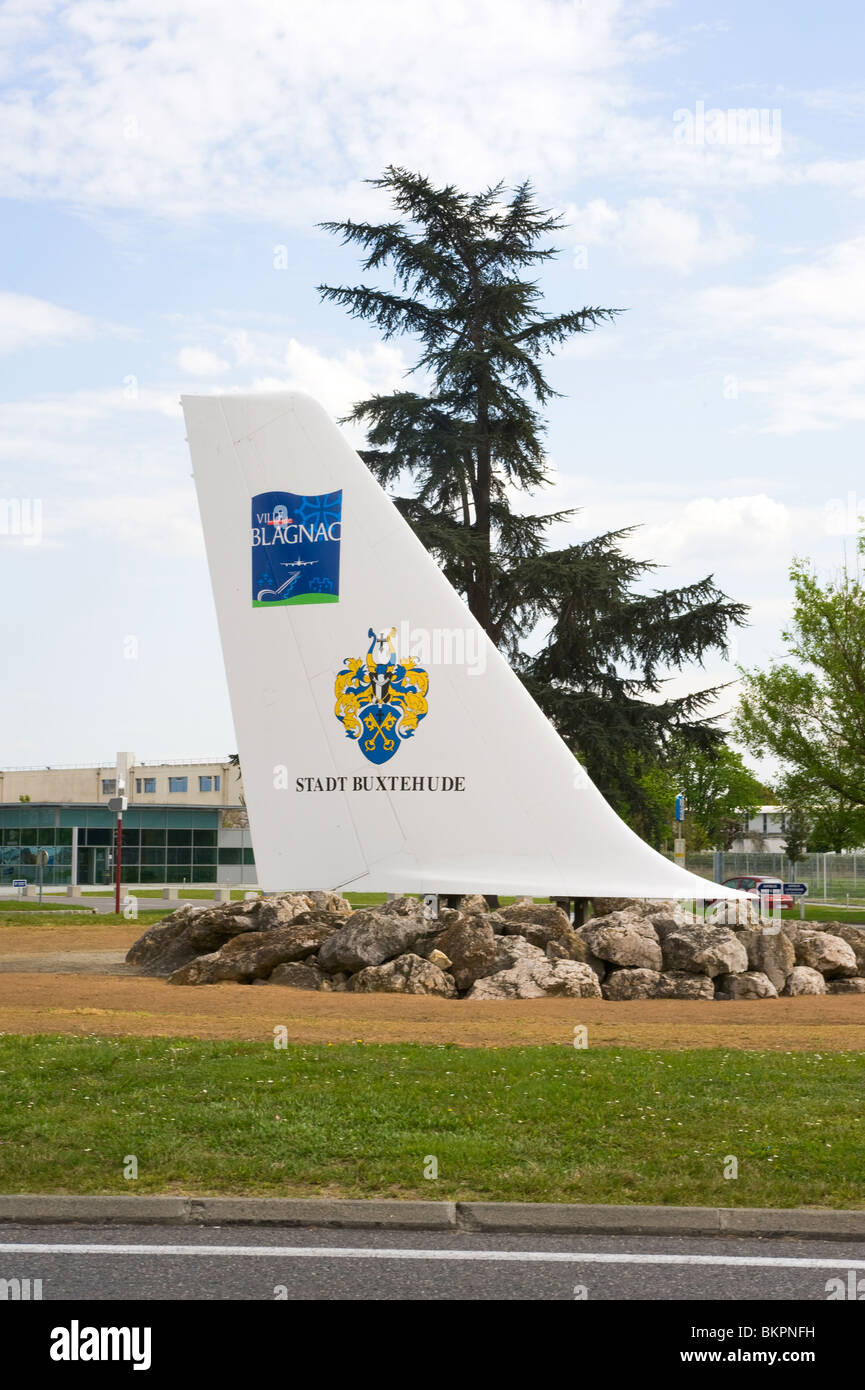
(819, 913)
(20, 906)
(79, 919)
(813, 913)
(539, 1124)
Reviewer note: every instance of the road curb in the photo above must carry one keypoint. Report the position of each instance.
(540, 1218)
(369, 1213)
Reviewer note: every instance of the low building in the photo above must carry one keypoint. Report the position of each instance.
(185, 824)
(203, 782)
(763, 833)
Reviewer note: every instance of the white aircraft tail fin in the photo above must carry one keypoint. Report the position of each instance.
(384, 742)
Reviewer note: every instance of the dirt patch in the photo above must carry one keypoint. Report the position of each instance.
(70, 963)
(35, 1002)
(38, 939)
(70, 978)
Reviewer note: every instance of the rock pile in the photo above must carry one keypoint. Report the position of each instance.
(631, 950)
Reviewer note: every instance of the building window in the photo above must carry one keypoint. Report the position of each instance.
(150, 784)
(177, 784)
(109, 786)
(205, 784)
(217, 783)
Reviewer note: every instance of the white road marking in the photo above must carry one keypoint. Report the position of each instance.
(325, 1252)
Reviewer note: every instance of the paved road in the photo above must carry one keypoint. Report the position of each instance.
(97, 903)
(238, 1263)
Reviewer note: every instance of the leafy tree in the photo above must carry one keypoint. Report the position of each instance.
(654, 813)
(720, 791)
(809, 712)
(472, 436)
(835, 827)
(824, 824)
(797, 830)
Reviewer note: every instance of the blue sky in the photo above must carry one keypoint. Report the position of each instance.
(157, 155)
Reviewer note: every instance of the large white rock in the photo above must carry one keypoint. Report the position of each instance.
(510, 949)
(537, 922)
(684, 984)
(803, 980)
(854, 986)
(573, 947)
(830, 955)
(704, 951)
(770, 952)
(751, 984)
(533, 978)
(408, 974)
(854, 936)
(371, 937)
(631, 942)
(638, 983)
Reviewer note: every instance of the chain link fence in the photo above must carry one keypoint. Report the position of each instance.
(832, 878)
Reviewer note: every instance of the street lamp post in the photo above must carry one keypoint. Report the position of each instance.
(118, 804)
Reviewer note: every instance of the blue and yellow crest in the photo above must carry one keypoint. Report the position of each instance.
(380, 700)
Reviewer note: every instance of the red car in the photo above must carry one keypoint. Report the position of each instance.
(747, 883)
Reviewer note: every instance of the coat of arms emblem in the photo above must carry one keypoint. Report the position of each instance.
(381, 698)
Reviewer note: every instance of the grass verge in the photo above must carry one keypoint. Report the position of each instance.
(24, 906)
(530, 1124)
(78, 919)
(815, 913)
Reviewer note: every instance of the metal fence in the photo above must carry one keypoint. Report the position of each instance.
(833, 878)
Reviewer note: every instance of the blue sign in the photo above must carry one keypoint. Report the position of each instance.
(19, 883)
(769, 886)
(295, 548)
(680, 807)
(796, 890)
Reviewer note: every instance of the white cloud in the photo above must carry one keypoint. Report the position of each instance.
(800, 337)
(264, 111)
(160, 520)
(728, 527)
(27, 322)
(197, 361)
(75, 449)
(180, 107)
(652, 232)
(264, 360)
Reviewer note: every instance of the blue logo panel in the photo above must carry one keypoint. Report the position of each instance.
(295, 548)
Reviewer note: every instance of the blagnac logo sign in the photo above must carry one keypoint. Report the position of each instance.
(295, 548)
(77, 1343)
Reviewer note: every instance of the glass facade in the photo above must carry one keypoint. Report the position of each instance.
(161, 844)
